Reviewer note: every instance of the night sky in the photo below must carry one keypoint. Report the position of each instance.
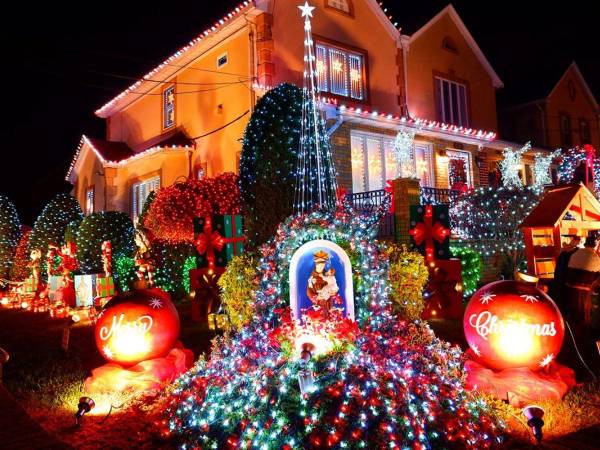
(60, 64)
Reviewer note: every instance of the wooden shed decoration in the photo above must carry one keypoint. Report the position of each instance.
(563, 212)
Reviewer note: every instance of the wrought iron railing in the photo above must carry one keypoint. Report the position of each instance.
(367, 203)
(437, 196)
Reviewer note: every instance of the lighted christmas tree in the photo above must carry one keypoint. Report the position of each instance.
(369, 381)
(268, 161)
(96, 228)
(20, 267)
(10, 232)
(315, 174)
(51, 224)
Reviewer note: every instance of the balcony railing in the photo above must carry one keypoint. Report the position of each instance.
(436, 196)
(367, 203)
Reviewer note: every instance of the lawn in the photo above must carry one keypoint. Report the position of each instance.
(49, 381)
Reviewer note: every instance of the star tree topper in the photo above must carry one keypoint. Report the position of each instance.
(306, 10)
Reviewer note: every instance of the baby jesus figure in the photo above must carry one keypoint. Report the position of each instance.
(323, 290)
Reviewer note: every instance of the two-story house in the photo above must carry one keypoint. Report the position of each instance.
(187, 116)
(566, 116)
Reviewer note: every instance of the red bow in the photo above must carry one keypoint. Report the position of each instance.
(389, 188)
(427, 232)
(208, 241)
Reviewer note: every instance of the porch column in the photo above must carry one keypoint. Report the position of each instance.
(407, 192)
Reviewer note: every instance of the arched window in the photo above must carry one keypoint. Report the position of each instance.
(341, 5)
(449, 44)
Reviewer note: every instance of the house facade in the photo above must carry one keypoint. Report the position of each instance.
(568, 116)
(187, 117)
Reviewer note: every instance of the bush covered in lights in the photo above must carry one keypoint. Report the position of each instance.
(268, 161)
(51, 224)
(10, 232)
(471, 265)
(238, 284)
(113, 226)
(170, 215)
(408, 277)
(173, 263)
(487, 220)
(20, 267)
(385, 383)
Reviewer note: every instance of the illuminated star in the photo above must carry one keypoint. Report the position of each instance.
(476, 350)
(530, 298)
(156, 303)
(547, 360)
(107, 351)
(486, 298)
(306, 10)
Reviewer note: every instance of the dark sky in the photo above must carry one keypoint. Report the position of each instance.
(62, 62)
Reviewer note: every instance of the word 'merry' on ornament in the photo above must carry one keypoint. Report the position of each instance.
(137, 326)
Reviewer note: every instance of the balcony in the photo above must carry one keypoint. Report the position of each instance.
(437, 196)
(367, 203)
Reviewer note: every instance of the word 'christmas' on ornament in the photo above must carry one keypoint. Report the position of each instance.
(515, 332)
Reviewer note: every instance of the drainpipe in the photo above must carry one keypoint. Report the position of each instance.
(338, 123)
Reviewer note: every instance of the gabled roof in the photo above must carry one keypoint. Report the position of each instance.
(573, 66)
(110, 151)
(118, 154)
(558, 201)
(451, 12)
(173, 64)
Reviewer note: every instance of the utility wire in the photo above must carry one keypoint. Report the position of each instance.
(220, 128)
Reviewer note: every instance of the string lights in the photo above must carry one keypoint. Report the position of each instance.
(404, 153)
(50, 226)
(511, 166)
(315, 174)
(541, 167)
(10, 231)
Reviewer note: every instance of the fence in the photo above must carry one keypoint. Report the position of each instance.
(367, 203)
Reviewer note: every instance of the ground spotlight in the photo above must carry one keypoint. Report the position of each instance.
(534, 415)
(86, 404)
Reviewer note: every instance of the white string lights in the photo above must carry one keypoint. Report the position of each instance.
(315, 173)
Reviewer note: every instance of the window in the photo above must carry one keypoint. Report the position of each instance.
(584, 132)
(452, 102)
(140, 192)
(340, 5)
(373, 161)
(449, 44)
(168, 107)
(459, 168)
(340, 72)
(222, 60)
(528, 179)
(565, 130)
(89, 201)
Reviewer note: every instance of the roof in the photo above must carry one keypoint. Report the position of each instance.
(451, 12)
(536, 89)
(111, 151)
(173, 138)
(171, 65)
(116, 154)
(579, 75)
(557, 201)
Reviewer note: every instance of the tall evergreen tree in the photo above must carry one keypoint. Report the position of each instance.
(96, 228)
(20, 269)
(268, 161)
(10, 231)
(51, 224)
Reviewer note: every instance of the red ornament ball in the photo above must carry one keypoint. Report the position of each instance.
(136, 326)
(512, 324)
